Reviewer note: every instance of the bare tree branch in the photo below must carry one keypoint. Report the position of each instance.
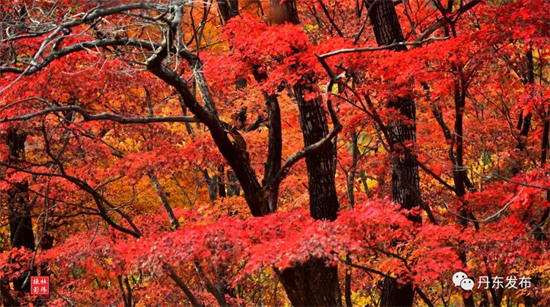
(104, 116)
(385, 47)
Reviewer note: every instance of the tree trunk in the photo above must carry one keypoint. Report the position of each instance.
(312, 283)
(20, 221)
(164, 200)
(221, 181)
(525, 121)
(274, 152)
(233, 184)
(460, 176)
(284, 11)
(545, 135)
(323, 202)
(404, 167)
(228, 8)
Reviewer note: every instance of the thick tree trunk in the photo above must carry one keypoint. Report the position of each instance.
(404, 167)
(284, 11)
(20, 221)
(221, 181)
(323, 202)
(350, 180)
(347, 285)
(274, 152)
(312, 283)
(228, 8)
(545, 135)
(21, 232)
(394, 294)
(459, 173)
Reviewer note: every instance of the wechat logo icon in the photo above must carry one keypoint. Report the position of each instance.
(460, 279)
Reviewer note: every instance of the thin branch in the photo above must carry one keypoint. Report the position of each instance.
(369, 270)
(104, 116)
(442, 22)
(424, 297)
(181, 284)
(495, 216)
(386, 47)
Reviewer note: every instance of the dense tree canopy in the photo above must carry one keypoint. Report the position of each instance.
(243, 153)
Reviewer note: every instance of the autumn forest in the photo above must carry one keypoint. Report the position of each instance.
(275, 153)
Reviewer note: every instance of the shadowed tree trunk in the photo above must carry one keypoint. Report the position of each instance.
(221, 181)
(232, 185)
(545, 136)
(387, 30)
(456, 155)
(20, 221)
(274, 152)
(321, 166)
(284, 11)
(228, 9)
(312, 283)
(525, 121)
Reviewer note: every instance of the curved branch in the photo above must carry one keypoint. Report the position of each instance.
(442, 22)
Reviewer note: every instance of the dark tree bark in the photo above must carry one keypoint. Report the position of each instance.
(228, 9)
(545, 135)
(323, 201)
(456, 155)
(525, 121)
(275, 147)
(221, 182)
(21, 232)
(312, 283)
(284, 11)
(164, 200)
(350, 179)
(232, 184)
(538, 231)
(347, 285)
(350, 182)
(237, 157)
(387, 31)
(459, 172)
(274, 153)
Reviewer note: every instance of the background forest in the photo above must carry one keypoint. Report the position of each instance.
(274, 153)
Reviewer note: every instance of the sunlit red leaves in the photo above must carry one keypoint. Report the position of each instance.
(287, 239)
(279, 52)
